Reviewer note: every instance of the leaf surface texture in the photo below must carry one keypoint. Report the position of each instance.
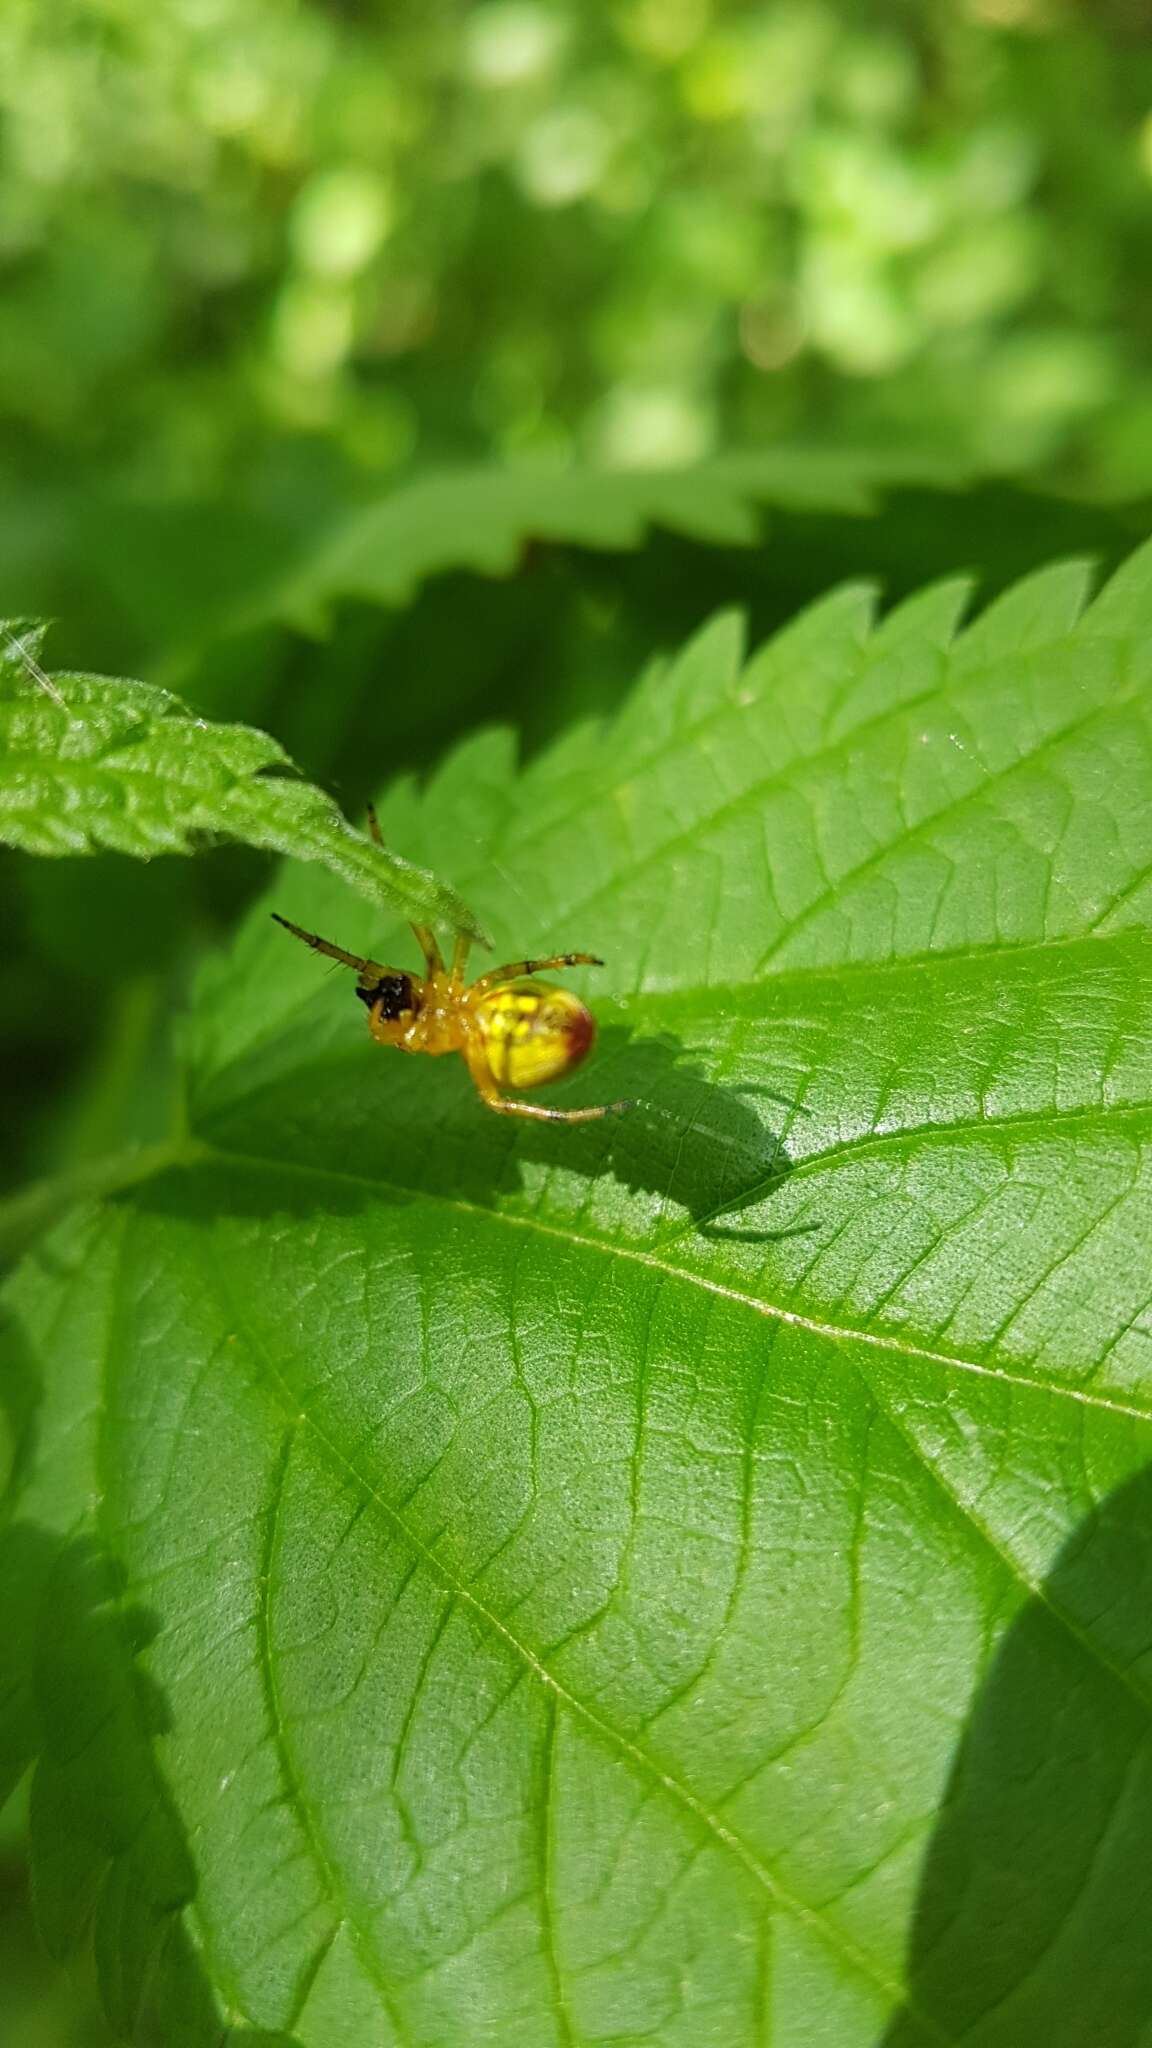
(567, 1571)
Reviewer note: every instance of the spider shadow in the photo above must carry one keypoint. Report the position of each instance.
(691, 1146)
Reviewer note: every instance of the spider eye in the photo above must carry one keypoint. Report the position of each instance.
(393, 993)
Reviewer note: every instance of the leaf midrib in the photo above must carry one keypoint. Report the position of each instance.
(215, 778)
(729, 1838)
(201, 1153)
(197, 1154)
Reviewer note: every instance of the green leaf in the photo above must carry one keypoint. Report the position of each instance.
(567, 1562)
(93, 762)
(180, 574)
(484, 519)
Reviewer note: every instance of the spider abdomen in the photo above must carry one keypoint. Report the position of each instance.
(533, 1032)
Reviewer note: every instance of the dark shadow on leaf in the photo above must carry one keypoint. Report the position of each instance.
(696, 1144)
(401, 1128)
(1032, 1927)
(564, 638)
(20, 1395)
(111, 1862)
(25, 1559)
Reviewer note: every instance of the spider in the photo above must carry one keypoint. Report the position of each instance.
(513, 1031)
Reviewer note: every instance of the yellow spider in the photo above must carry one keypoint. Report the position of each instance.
(513, 1032)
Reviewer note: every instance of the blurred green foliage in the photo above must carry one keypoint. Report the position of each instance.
(250, 238)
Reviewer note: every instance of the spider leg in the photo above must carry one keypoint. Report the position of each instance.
(515, 969)
(489, 1092)
(426, 940)
(504, 1106)
(425, 936)
(324, 946)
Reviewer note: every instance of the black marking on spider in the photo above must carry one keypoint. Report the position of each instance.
(393, 993)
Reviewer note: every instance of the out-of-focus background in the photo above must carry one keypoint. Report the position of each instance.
(250, 241)
(264, 261)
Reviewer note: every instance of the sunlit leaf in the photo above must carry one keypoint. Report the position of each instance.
(97, 762)
(553, 1571)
